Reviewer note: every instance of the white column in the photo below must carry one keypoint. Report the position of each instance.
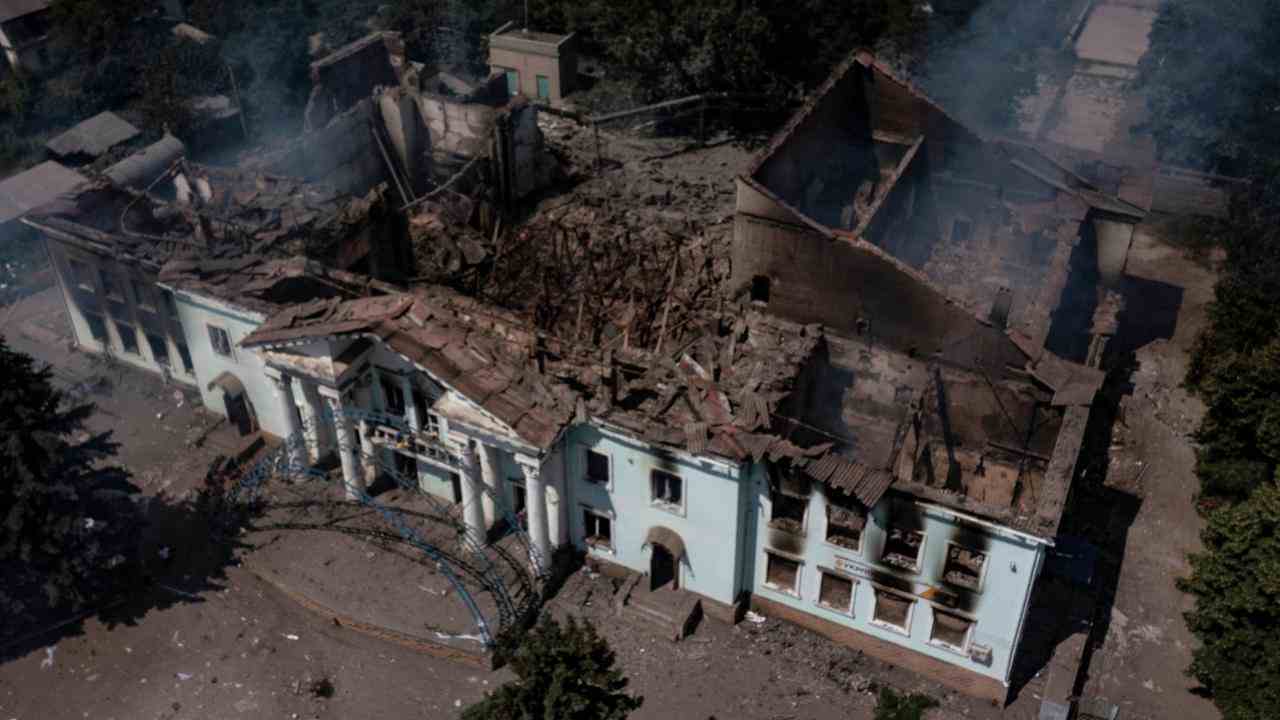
(411, 411)
(472, 510)
(489, 474)
(296, 444)
(537, 500)
(346, 449)
(367, 458)
(312, 418)
(557, 516)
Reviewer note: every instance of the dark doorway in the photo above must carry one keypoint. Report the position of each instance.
(238, 414)
(456, 481)
(662, 568)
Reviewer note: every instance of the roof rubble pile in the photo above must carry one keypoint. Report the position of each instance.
(213, 213)
(264, 284)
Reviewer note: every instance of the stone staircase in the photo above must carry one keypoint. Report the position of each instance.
(673, 614)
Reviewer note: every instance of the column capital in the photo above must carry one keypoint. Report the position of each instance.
(531, 466)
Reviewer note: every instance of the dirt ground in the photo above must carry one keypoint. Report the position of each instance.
(1140, 665)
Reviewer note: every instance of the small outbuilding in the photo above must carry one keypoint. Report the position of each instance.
(538, 65)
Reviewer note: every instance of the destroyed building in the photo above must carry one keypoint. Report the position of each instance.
(949, 268)
(876, 213)
(109, 246)
(370, 121)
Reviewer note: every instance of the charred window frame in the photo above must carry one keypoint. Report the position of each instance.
(782, 573)
(159, 349)
(185, 354)
(903, 548)
(128, 338)
(597, 467)
(597, 529)
(846, 521)
(394, 397)
(964, 567)
(220, 341)
(110, 284)
(97, 327)
(667, 490)
(893, 610)
(951, 630)
(80, 275)
(836, 591)
(789, 501)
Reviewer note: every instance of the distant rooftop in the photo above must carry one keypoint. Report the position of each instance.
(10, 9)
(93, 137)
(35, 187)
(510, 31)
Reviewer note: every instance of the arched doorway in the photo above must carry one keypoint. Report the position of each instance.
(666, 550)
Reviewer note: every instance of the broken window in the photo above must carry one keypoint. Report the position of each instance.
(185, 354)
(950, 630)
(597, 468)
(836, 592)
(140, 294)
(964, 567)
(159, 348)
(961, 231)
(782, 573)
(80, 274)
(668, 489)
(118, 310)
(597, 529)
(220, 341)
(406, 467)
(846, 519)
(110, 287)
(97, 327)
(902, 548)
(892, 609)
(128, 338)
(760, 289)
(788, 502)
(170, 305)
(394, 398)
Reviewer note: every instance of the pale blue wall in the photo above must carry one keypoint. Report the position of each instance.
(1011, 565)
(708, 525)
(196, 313)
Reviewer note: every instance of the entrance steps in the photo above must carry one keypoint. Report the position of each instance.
(673, 614)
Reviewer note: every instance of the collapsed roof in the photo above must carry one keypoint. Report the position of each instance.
(264, 284)
(228, 212)
(986, 224)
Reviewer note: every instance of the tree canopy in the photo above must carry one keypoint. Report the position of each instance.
(1212, 82)
(67, 528)
(563, 672)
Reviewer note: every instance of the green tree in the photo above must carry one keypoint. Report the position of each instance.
(562, 673)
(1236, 581)
(1212, 83)
(67, 526)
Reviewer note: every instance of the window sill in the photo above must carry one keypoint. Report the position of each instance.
(838, 611)
(677, 510)
(781, 590)
(891, 628)
(949, 648)
(599, 547)
(603, 484)
(843, 548)
(787, 527)
(903, 566)
(86, 288)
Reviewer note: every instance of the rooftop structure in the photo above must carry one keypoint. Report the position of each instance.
(93, 137)
(538, 65)
(33, 188)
